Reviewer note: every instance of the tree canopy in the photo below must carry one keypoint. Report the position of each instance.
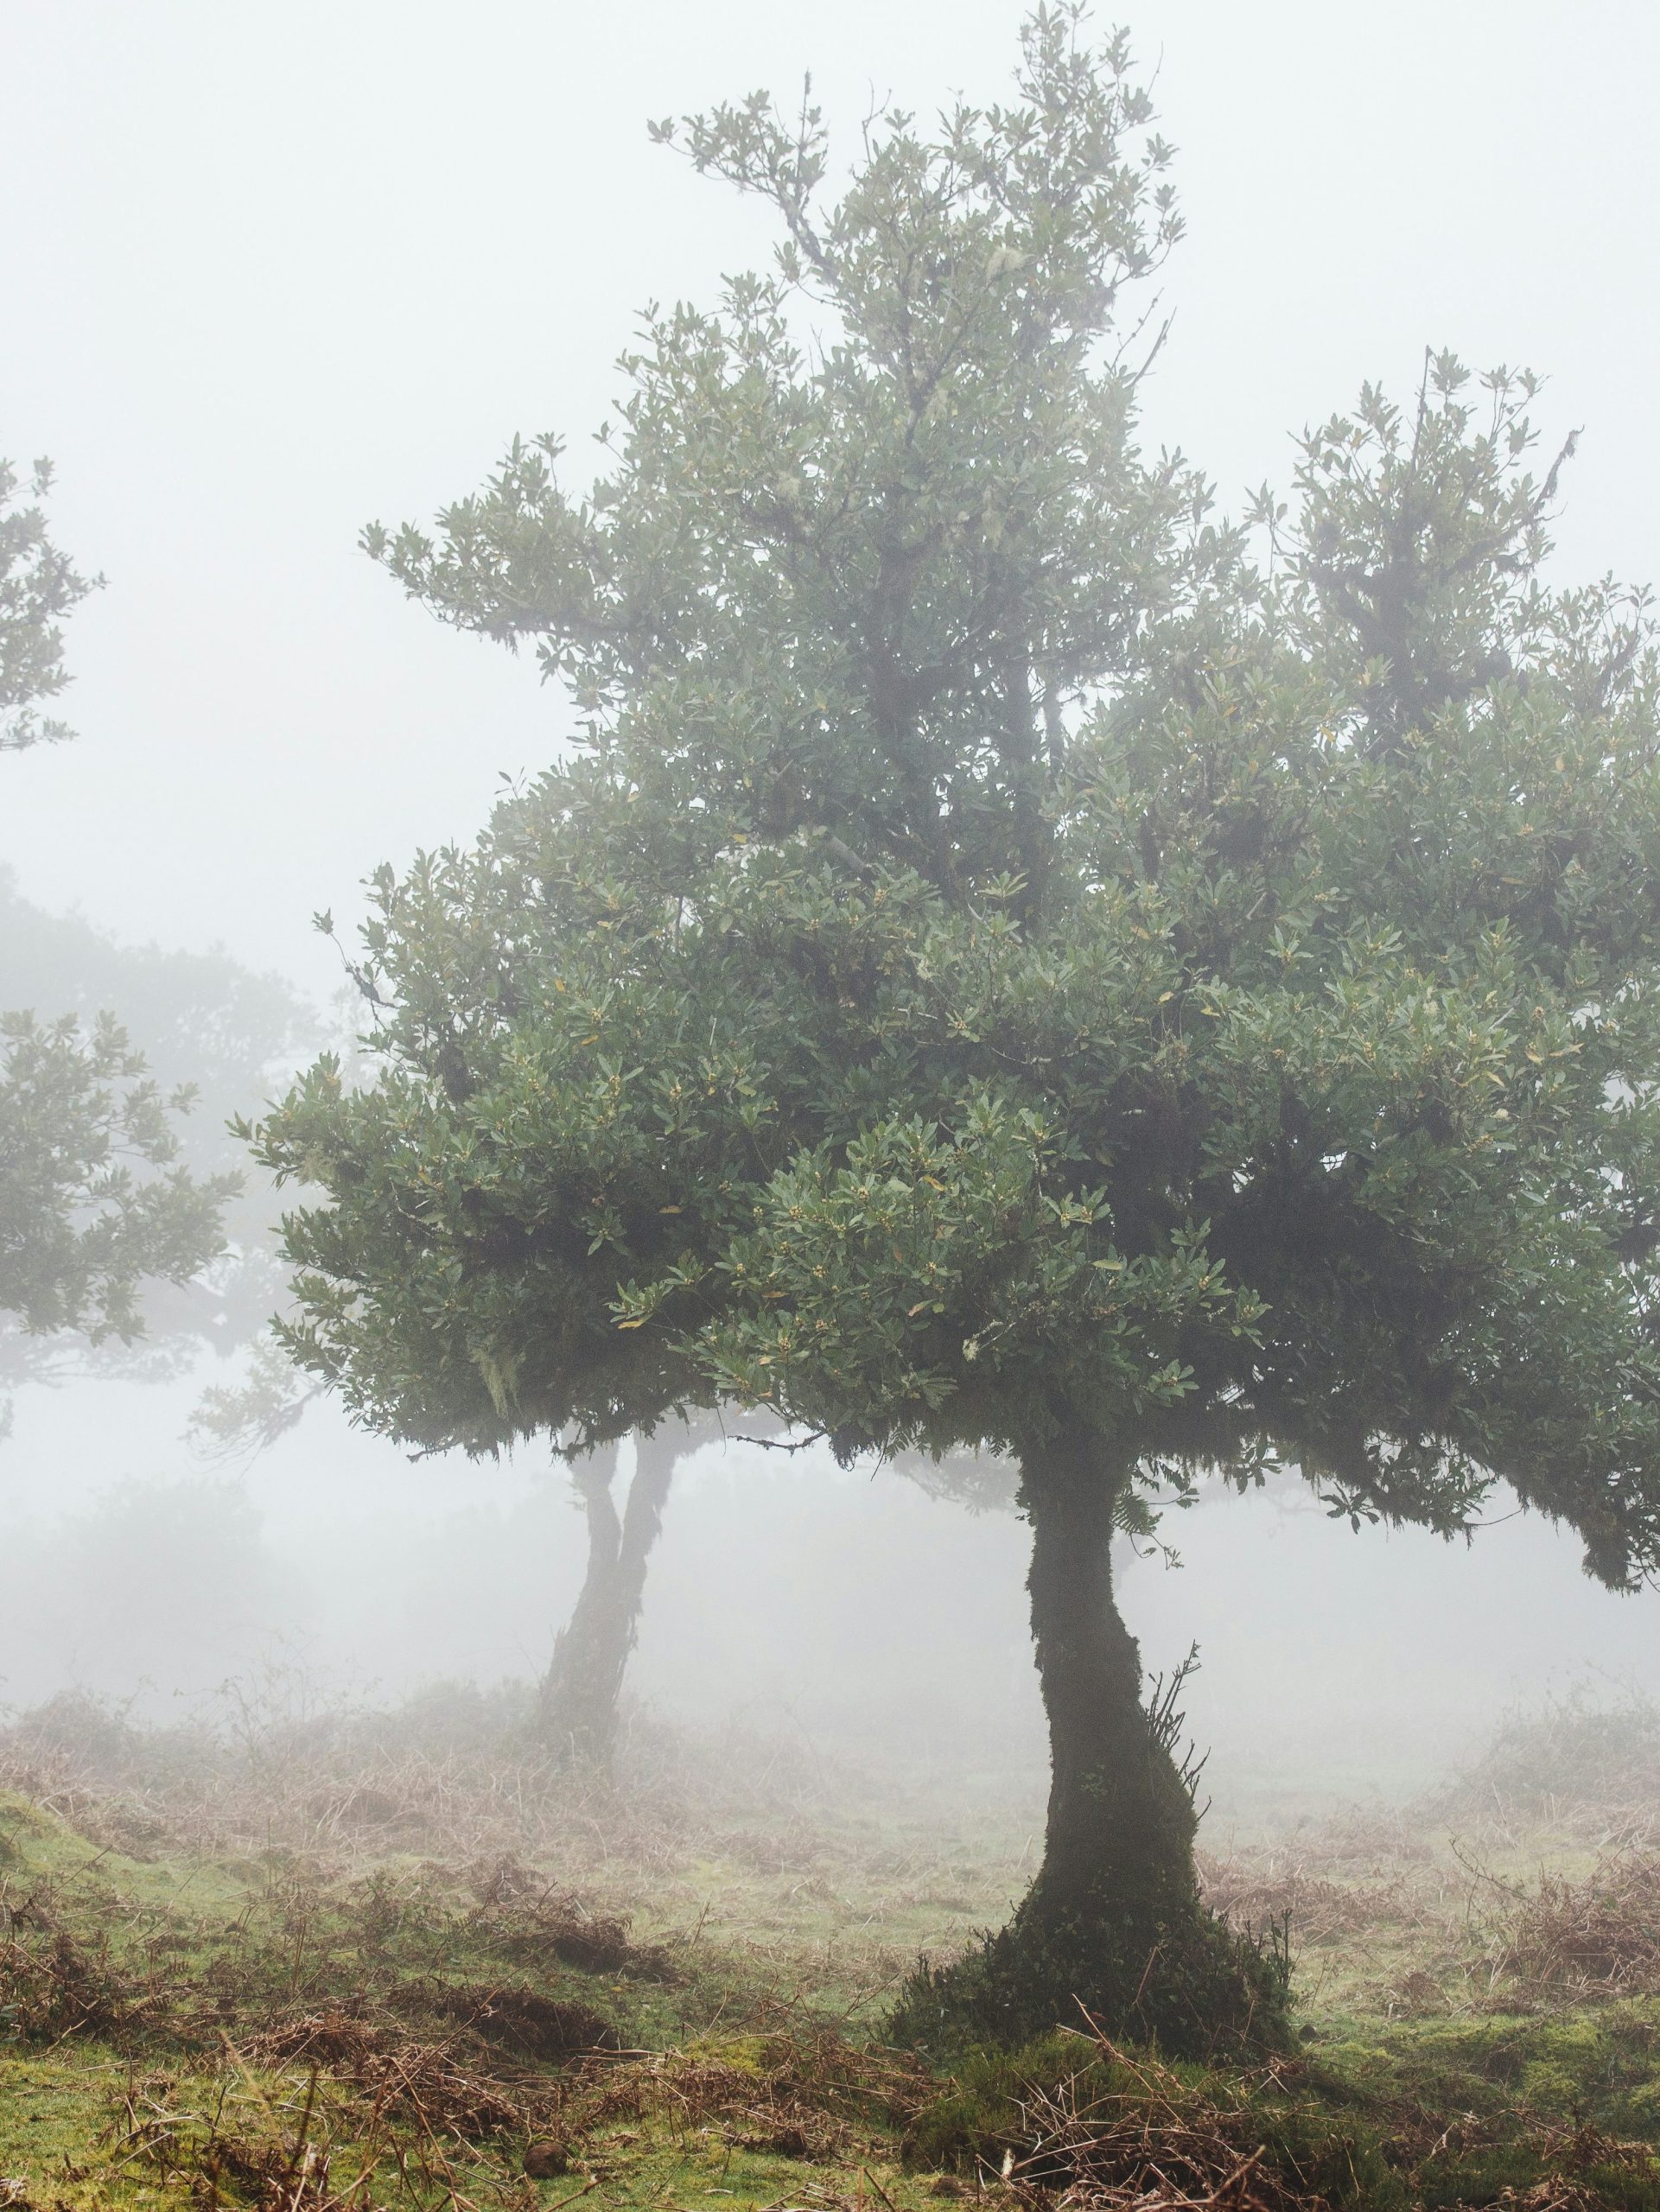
(1016, 962)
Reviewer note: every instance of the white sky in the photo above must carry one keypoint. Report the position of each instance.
(271, 271)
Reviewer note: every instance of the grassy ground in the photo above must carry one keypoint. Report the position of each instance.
(383, 1961)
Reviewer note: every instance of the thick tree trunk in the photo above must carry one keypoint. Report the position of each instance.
(1121, 1825)
(1114, 1922)
(577, 1710)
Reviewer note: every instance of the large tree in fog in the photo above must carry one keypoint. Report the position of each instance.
(999, 971)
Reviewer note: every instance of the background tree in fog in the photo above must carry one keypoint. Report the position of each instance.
(204, 1022)
(97, 1202)
(38, 585)
(1002, 972)
(577, 1707)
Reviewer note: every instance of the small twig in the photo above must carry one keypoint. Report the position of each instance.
(592, 2182)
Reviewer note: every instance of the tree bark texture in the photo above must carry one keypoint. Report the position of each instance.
(1114, 1922)
(578, 1711)
(1119, 1842)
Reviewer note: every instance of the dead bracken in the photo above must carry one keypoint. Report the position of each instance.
(490, 2020)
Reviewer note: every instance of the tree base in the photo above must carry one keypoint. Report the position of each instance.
(1190, 1985)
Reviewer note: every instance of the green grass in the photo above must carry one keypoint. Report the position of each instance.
(260, 2010)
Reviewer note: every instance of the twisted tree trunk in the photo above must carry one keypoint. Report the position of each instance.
(1119, 1839)
(577, 1709)
(1114, 1921)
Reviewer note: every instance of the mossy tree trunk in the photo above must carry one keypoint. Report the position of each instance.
(577, 1710)
(1114, 1922)
(1119, 1839)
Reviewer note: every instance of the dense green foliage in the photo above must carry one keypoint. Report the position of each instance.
(996, 951)
(1002, 970)
(791, 611)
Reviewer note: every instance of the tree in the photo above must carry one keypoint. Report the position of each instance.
(577, 1708)
(38, 586)
(1001, 972)
(92, 1201)
(208, 1029)
(95, 1200)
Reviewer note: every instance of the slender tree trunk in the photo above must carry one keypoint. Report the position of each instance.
(1119, 1842)
(578, 1711)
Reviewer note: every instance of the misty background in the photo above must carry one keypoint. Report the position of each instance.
(272, 274)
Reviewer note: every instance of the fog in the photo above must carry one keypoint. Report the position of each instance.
(269, 274)
(851, 1611)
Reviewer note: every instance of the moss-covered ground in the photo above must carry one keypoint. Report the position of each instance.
(345, 1969)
